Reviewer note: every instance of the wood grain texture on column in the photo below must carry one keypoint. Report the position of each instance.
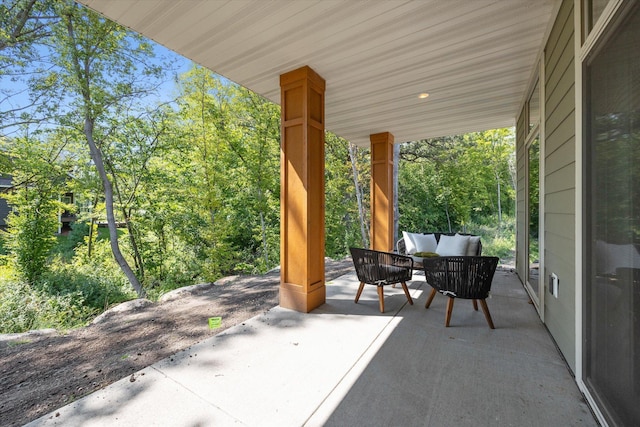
(382, 191)
(302, 203)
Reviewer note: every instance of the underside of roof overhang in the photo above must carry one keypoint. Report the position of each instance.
(474, 58)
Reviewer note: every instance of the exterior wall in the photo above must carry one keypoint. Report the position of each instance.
(560, 187)
(559, 192)
(5, 183)
(4, 212)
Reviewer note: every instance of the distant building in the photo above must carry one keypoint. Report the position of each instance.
(5, 183)
(65, 218)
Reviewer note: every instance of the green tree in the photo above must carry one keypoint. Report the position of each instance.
(344, 220)
(101, 66)
(445, 183)
(233, 158)
(254, 141)
(24, 25)
(208, 166)
(38, 179)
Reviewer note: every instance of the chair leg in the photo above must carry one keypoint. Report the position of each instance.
(406, 292)
(475, 305)
(381, 298)
(449, 310)
(487, 315)
(359, 291)
(431, 296)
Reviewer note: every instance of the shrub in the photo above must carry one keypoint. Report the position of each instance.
(23, 308)
(32, 225)
(97, 289)
(497, 240)
(66, 244)
(68, 295)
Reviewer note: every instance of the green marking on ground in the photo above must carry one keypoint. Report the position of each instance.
(215, 322)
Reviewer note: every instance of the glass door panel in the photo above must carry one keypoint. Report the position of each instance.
(612, 267)
(533, 198)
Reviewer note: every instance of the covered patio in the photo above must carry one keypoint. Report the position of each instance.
(347, 364)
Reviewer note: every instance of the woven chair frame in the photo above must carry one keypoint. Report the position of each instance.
(466, 277)
(380, 269)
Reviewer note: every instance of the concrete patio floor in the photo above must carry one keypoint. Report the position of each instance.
(347, 364)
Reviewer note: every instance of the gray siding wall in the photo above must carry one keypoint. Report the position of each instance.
(4, 212)
(560, 188)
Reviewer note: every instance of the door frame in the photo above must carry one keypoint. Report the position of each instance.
(537, 131)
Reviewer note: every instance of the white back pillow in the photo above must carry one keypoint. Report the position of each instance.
(453, 245)
(409, 242)
(474, 242)
(418, 242)
(426, 242)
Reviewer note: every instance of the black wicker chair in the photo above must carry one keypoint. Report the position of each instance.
(467, 277)
(380, 269)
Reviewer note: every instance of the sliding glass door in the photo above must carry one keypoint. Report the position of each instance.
(533, 163)
(611, 353)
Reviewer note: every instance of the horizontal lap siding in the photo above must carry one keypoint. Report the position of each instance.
(556, 163)
(559, 191)
(563, 133)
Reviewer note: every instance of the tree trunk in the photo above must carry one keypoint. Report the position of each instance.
(96, 156)
(265, 247)
(82, 73)
(137, 258)
(91, 232)
(356, 183)
(499, 202)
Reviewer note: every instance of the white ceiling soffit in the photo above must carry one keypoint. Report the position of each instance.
(473, 57)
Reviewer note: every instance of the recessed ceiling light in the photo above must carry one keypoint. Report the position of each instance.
(423, 95)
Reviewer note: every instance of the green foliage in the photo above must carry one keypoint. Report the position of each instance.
(497, 239)
(66, 244)
(23, 308)
(342, 220)
(24, 25)
(446, 183)
(96, 277)
(32, 225)
(225, 173)
(38, 180)
(66, 296)
(3, 248)
(80, 281)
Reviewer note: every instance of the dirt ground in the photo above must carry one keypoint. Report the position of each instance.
(42, 371)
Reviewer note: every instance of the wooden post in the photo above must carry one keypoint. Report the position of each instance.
(382, 191)
(302, 285)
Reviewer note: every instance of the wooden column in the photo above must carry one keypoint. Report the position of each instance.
(302, 286)
(382, 191)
